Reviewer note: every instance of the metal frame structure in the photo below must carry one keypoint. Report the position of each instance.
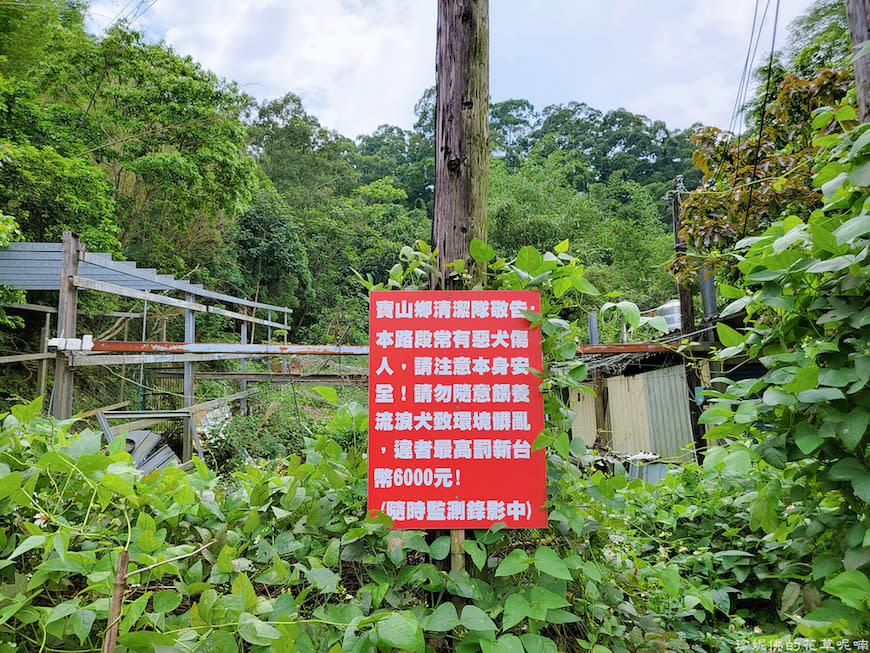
(66, 267)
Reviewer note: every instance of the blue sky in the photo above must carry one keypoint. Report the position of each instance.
(360, 63)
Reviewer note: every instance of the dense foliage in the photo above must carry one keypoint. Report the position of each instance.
(284, 557)
(804, 286)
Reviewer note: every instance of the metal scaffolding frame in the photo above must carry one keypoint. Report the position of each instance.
(66, 267)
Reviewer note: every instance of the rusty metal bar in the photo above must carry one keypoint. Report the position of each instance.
(356, 350)
(360, 378)
(227, 348)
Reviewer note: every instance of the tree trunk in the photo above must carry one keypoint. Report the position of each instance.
(858, 13)
(461, 132)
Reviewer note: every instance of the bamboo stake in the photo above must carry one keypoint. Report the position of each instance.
(117, 602)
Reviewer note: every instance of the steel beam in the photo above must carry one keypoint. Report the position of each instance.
(228, 348)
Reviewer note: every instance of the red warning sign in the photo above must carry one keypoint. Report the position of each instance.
(454, 408)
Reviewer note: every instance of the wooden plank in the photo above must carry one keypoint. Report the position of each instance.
(241, 316)
(16, 358)
(38, 308)
(626, 348)
(91, 413)
(102, 286)
(85, 360)
(67, 305)
(134, 426)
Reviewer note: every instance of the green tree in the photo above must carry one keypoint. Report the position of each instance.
(273, 263)
(309, 164)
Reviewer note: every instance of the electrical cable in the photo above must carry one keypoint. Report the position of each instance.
(761, 121)
(743, 86)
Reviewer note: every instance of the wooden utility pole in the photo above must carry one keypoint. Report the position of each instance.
(461, 150)
(858, 13)
(687, 321)
(687, 309)
(66, 325)
(461, 132)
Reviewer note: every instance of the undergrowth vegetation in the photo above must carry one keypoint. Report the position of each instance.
(281, 555)
(284, 557)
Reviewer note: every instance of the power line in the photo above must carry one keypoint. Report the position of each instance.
(761, 121)
(743, 86)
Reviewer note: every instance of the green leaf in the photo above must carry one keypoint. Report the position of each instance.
(774, 397)
(440, 548)
(861, 487)
(819, 395)
(516, 562)
(529, 260)
(806, 378)
(538, 644)
(670, 577)
(847, 469)
(62, 610)
(852, 228)
(81, 621)
(145, 640)
(561, 286)
(852, 587)
(401, 630)
(728, 336)
(243, 587)
(860, 174)
(516, 608)
(167, 600)
(731, 292)
(327, 392)
(549, 562)
(323, 579)
(562, 247)
(584, 285)
(134, 611)
(474, 618)
(807, 438)
(822, 119)
(9, 483)
(477, 552)
(443, 618)
(631, 313)
(30, 543)
(480, 251)
(118, 484)
(543, 599)
(862, 141)
(508, 644)
(256, 632)
(851, 430)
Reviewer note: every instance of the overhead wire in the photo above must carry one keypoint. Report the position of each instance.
(737, 111)
(761, 120)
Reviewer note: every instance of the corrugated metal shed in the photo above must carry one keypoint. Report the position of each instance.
(584, 424)
(650, 412)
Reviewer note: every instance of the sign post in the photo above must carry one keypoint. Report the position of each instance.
(454, 407)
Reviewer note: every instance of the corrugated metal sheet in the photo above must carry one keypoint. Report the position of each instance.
(627, 413)
(667, 402)
(584, 424)
(649, 472)
(650, 412)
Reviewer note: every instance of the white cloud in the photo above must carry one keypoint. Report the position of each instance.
(360, 63)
